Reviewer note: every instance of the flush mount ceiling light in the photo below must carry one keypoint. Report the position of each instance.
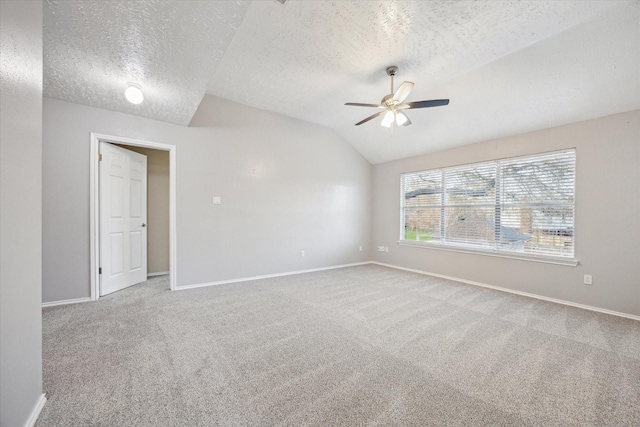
(133, 93)
(393, 104)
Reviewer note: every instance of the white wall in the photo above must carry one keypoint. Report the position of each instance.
(286, 186)
(607, 212)
(157, 208)
(20, 211)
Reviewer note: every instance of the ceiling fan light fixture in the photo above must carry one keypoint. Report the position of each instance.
(401, 118)
(388, 119)
(133, 93)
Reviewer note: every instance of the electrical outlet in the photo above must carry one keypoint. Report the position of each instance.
(588, 279)
(386, 249)
(302, 253)
(360, 249)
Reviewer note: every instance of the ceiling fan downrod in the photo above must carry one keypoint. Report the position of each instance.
(391, 72)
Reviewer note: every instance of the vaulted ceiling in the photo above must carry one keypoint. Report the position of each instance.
(507, 66)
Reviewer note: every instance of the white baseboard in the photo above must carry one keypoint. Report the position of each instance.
(268, 276)
(36, 411)
(160, 273)
(511, 291)
(65, 302)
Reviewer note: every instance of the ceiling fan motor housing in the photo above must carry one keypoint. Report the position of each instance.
(389, 102)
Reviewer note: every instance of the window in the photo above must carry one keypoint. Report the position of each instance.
(519, 205)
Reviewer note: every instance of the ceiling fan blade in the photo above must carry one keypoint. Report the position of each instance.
(357, 104)
(402, 92)
(402, 119)
(427, 104)
(371, 117)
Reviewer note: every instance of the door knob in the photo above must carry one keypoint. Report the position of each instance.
(144, 224)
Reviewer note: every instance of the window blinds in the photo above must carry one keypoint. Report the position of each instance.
(523, 204)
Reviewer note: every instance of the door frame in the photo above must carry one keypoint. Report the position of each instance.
(94, 204)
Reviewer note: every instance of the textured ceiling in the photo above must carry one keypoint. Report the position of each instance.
(507, 66)
(93, 48)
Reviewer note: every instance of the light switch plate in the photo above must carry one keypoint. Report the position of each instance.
(216, 200)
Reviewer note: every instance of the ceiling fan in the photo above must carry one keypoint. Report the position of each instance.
(393, 104)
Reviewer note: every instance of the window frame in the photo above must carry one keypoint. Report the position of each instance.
(499, 205)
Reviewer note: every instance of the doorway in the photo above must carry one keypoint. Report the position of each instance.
(95, 223)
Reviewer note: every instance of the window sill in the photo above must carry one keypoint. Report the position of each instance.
(572, 262)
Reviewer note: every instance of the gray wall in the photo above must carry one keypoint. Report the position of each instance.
(607, 209)
(157, 208)
(286, 186)
(20, 210)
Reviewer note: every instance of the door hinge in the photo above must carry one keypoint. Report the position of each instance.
(100, 157)
(99, 270)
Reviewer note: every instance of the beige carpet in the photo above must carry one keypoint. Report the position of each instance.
(356, 346)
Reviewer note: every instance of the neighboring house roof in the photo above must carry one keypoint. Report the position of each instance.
(510, 235)
(483, 229)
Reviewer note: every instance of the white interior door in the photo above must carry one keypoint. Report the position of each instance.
(123, 217)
